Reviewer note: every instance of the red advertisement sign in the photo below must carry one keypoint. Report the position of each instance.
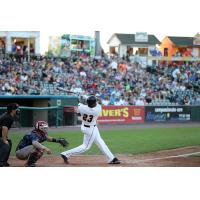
(121, 114)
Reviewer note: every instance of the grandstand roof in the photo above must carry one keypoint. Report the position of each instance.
(182, 41)
(130, 39)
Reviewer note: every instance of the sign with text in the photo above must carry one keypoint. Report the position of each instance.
(172, 113)
(196, 41)
(121, 114)
(141, 37)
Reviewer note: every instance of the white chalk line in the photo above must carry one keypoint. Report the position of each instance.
(161, 158)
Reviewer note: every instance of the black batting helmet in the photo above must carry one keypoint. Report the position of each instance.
(91, 101)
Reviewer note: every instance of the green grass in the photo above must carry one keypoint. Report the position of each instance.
(130, 141)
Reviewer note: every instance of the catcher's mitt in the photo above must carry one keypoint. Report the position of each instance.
(63, 142)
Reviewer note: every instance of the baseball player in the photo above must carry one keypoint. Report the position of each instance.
(6, 121)
(89, 114)
(30, 147)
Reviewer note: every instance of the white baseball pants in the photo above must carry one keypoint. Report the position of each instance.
(91, 134)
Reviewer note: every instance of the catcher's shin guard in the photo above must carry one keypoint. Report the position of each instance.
(32, 159)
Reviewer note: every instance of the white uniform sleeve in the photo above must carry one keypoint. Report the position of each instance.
(80, 105)
(99, 109)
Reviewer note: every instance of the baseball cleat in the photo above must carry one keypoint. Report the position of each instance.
(114, 161)
(65, 159)
(30, 165)
(6, 164)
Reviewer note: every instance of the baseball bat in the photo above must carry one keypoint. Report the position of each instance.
(64, 90)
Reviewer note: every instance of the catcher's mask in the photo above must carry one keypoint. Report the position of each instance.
(42, 126)
(91, 101)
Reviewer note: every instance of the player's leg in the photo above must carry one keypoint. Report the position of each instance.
(4, 153)
(24, 153)
(104, 148)
(88, 139)
(10, 147)
(33, 158)
(29, 153)
(102, 145)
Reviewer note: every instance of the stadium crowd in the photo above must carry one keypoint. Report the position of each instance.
(116, 81)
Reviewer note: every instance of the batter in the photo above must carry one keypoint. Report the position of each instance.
(89, 115)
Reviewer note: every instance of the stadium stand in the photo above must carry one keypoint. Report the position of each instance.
(165, 84)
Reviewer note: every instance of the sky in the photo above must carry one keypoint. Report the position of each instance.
(55, 17)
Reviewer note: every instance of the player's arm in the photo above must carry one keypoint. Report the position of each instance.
(5, 124)
(82, 99)
(61, 141)
(41, 147)
(99, 100)
(99, 108)
(5, 134)
(52, 139)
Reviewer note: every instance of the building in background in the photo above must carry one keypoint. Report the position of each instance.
(20, 42)
(67, 45)
(181, 48)
(132, 44)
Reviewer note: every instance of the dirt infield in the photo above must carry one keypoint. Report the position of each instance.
(181, 157)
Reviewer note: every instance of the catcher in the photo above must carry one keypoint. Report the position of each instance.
(30, 147)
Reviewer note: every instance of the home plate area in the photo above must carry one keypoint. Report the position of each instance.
(180, 157)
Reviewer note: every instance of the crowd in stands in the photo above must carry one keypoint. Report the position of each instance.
(115, 81)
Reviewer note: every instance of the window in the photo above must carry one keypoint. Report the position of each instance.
(165, 51)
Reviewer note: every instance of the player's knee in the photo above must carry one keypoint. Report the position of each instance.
(6, 148)
(21, 156)
(88, 147)
(10, 143)
(84, 147)
(39, 154)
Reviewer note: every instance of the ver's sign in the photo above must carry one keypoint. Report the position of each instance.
(121, 114)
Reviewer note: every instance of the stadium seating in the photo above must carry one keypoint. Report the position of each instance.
(157, 85)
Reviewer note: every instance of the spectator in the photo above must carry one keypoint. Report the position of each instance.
(42, 76)
(140, 101)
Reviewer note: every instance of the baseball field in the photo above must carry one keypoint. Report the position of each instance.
(162, 145)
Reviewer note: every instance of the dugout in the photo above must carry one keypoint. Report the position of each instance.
(35, 107)
(70, 115)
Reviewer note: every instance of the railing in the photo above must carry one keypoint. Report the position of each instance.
(165, 58)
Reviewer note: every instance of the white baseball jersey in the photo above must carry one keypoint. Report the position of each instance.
(91, 132)
(89, 115)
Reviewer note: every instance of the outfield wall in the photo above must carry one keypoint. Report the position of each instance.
(121, 114)
(62, 112)
(141, 114)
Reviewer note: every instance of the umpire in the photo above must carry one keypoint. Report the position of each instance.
(6, 121)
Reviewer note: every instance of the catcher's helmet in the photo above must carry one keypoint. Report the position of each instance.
(91, 101)
(42, 126)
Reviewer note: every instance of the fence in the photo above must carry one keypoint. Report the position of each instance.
(29, 115)
(67, 115)
(141, 114)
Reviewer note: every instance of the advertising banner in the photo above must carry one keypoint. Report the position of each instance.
(172, 113)
(121, 114)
